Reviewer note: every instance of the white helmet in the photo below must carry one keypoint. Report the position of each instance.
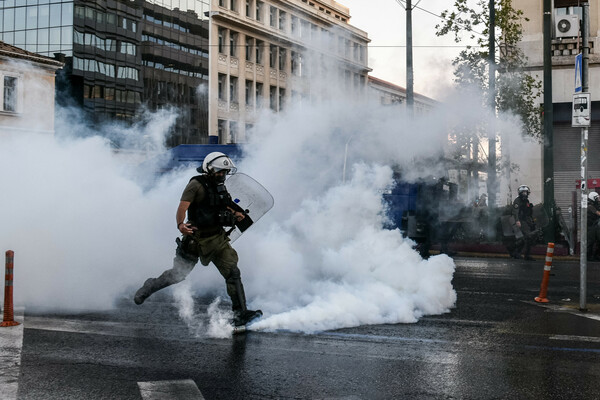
(217, 161)
(524, 188)
(593, 196)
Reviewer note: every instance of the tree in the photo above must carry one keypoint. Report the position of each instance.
(516, 91)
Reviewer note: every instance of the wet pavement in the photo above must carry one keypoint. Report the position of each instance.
(497, 343)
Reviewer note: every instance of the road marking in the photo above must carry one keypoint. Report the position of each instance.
(576, 338)
(11, 342)
(185, 389)
(381, 337)
(572, 349)
(106, 328)
(559, 308)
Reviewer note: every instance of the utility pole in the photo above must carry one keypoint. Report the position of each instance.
(548, 124)
(410, 96)
(491, 181)
(584, 164)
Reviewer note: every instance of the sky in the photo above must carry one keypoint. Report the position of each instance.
(385, 23)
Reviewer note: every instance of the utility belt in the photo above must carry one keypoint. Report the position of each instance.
(204, 233)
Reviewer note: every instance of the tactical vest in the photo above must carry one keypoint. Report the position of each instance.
(524, 210)
(212, 210)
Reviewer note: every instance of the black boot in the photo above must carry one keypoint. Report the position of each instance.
(144, 292)
(241, 315)
(154, 285)
(150, 286)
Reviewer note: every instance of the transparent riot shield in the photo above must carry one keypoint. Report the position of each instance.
(251, 197)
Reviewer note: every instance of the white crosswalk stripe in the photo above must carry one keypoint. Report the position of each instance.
(170, 390)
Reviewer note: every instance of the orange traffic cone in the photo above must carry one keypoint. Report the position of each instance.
(547, 267)
(8, 291)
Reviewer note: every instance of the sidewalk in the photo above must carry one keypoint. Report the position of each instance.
(498, 250)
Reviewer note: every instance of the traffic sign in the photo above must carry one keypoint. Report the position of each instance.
(582, 106)
(578, 72)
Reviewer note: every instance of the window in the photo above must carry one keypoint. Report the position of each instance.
(295, 26)
(281, 98)
(296, 63)
(272, 55)
(259, 51)
(282, 18)
(304, 29)
(272, 16)
(10, 94)
(127, 73)
(282, 58)
(98, 92)
(222, 3)
(259, 10)
(273, 98)
(249, 92)
(259, 94)
(233, 91)
(233, 131)
(249, 44)
(125, 47)
(221, 40)
(109, 94)
(222, 80)
(221, 129)
(249, 8)
(234, 5)
(233, 38)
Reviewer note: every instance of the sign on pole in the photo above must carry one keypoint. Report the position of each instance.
(581, 110)
(578, 72)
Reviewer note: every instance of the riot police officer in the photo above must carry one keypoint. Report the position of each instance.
(209, 207)
(593, 225)
(522, 211)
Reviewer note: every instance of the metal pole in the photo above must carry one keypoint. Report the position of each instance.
(584, 145)
(548, 173)
(491, 179)
(410, 97)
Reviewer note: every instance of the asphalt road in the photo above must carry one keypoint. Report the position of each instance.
(497, 343)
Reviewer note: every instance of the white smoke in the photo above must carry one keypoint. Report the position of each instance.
(86, 230)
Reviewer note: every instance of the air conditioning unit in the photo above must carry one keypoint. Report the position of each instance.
(566, 25)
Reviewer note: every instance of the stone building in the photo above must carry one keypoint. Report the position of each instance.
(27, 86)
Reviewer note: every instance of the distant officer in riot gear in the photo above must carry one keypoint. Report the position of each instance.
(593, 226)
(523, 213)
(209, 207)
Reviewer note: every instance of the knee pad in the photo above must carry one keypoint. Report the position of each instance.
(234, 275)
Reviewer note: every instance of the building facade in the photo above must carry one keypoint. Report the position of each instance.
(218, 62)
(388, 93)
(566, 44)
(121, 55)
(27, 86)
(267, 53)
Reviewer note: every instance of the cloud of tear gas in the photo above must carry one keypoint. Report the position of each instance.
(320, 259)
(86, 230)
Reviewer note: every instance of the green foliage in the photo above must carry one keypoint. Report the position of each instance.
(516, 91)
